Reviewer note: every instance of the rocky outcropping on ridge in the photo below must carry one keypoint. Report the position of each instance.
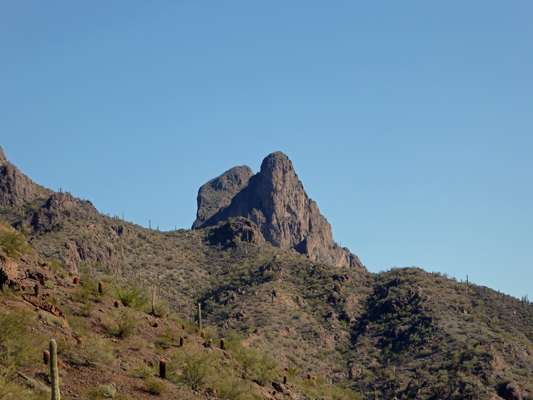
(218, 192)
(275, 200)
(16, 188)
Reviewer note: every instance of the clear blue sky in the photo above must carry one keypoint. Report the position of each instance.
(410, 123)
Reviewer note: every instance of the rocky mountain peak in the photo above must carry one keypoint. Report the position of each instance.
(275, 200)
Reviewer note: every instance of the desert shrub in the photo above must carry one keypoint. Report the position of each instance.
(6, 291)
(9, 390)
(13, 243)
(102, 392)
(168, 338)
(264, 367)
(160, 308)
(196, 367)
(96, 349)
(125, 324)
(17, 347)
(340, 393)
(86, 310)
(233, 389)
(52, 318)
(130, 296)
(58, 268)
(142, 371)
(155, 386)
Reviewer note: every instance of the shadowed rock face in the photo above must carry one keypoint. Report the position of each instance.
(275, 200)
(218, 192)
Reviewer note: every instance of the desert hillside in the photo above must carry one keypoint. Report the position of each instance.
(300, 316)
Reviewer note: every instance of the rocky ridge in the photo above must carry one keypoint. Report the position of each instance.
(16, 189)
(276, 201)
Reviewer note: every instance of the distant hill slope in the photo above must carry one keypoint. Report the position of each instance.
(275, 200)
(404, 333)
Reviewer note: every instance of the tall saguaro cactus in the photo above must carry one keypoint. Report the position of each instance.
(54, 372)
(200, 317)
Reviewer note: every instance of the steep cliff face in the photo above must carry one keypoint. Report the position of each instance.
(16, 188)
(275, 200)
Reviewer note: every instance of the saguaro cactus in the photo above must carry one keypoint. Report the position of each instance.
(100, 287)
(199, 317)
(37, 287)
(54, 372)
(223, 344)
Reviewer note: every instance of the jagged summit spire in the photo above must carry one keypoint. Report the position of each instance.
(275, 200)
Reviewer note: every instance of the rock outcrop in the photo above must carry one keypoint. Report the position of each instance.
(235, 231)
(58, 207)
(218, 192)
(16, 188)
(275, 200)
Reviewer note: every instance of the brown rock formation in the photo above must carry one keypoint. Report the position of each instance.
(16, 188)
(59, 207)
(235, 231)
(275, 200)
(9, 271)
(217, 193)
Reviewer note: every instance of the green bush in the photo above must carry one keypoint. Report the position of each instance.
(13, 243)
(196, 367)
(233, 389)
(102, 392)
(125, 324)
(17, 347)
(169, 337)
(9, 390)
(130, 296)
(155, 386)
(142, 371)
(97, 349)
(264, 367)
(160, 308)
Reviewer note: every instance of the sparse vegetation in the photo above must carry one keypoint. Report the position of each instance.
(13, 243)
(155, 386)
(196, 368)
(130, 295)
(123, 325)
(400, 333)
(17, 346)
